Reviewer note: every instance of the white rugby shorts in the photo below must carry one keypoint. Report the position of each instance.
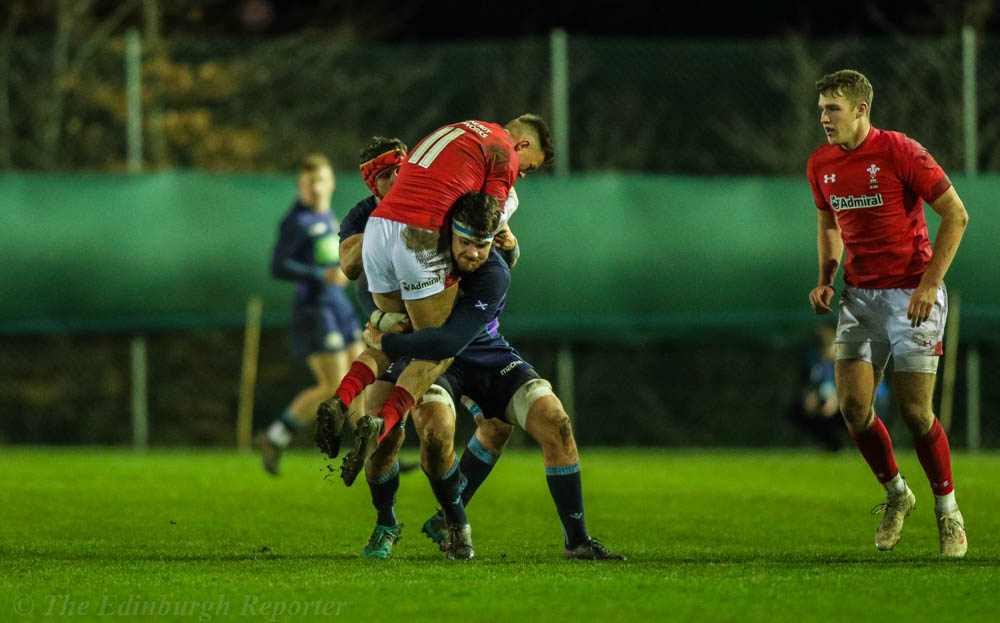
(391, 264)
(873, 324)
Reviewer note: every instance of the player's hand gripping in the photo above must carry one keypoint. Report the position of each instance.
(820, 298)
(921, 303)
(390, 322)
(372, 336)
(505, 240)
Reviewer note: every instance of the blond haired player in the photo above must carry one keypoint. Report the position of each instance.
(869, 186)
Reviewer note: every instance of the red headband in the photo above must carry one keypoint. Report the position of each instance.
(377, 165)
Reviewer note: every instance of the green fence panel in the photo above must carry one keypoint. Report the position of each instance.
(605, 256)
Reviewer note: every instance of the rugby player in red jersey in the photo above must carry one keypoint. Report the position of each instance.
(869, 186)
(407, 258)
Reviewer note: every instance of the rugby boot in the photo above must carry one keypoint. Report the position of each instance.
(270, 454)
(330, 417)
(436, 529)
(458, 543)
(381, 542)
(951, 530)
(591, 550)
(896, 508)
(366, 434)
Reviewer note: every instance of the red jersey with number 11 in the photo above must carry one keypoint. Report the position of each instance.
(453, 160)
(877, 192)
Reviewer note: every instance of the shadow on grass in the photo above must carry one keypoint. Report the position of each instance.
(874, 560)
(641, 560)
(98, 556)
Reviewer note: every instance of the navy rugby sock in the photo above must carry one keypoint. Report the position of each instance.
(477, 463)
(384, 488)
(567, 492)
(448, 491)
(289, 421)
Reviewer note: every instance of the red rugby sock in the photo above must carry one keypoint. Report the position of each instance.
(396, 406)
(935, 456)
(876, 446)
(357, 378)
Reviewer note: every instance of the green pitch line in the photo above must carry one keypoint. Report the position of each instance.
(711, 536)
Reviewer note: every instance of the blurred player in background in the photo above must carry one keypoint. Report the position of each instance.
(493, 374)
(816, 409)
(869, 186)
(407, 260)
(325, 329)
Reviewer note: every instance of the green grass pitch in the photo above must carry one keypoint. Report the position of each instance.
(98, 534)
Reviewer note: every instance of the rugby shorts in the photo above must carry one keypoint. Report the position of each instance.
(402, 257)
(872, 325)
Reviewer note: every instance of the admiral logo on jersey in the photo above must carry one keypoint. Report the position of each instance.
(851, 202)
(411, 287)
(877, 192)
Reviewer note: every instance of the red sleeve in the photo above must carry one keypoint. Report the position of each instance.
(502, 164)
(920, 171)
(814, 185)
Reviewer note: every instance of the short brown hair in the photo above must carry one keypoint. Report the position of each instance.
(480, 211)
(851, 84)
(314, 162)
(541, 129)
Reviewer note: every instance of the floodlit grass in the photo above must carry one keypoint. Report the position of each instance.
(769, 536)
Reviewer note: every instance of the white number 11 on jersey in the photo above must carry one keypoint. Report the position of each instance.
(426, 152)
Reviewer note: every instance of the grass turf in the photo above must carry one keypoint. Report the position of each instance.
(711, 536)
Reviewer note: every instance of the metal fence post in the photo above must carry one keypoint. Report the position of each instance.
(140, 397)
(559, 46)
(969, 111)
(133, 99)
(565, 374)
(972, 396)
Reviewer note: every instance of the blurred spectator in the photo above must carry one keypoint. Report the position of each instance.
(817, 410)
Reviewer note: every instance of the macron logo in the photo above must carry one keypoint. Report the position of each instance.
(510, 366)
(832, 177)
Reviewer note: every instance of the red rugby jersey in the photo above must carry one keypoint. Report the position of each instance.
(876, 192)
(451, 161)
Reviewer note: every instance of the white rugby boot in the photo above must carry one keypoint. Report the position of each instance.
(951, 530)
(896, 508)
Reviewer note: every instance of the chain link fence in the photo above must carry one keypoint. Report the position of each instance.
(75, 388)
(660, 107)
(655, 106)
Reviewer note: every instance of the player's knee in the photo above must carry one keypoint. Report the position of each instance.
(912, 409)
(917, 416)
(433, 448)
(551, 424)
(438, 436)
(393, 440)
(494, 434)
(856, 412)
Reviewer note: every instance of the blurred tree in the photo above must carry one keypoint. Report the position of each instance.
(6, 48)
(79, 35)
(154, 56)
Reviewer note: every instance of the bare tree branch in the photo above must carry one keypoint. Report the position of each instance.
(100, 35)
(6, 45)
